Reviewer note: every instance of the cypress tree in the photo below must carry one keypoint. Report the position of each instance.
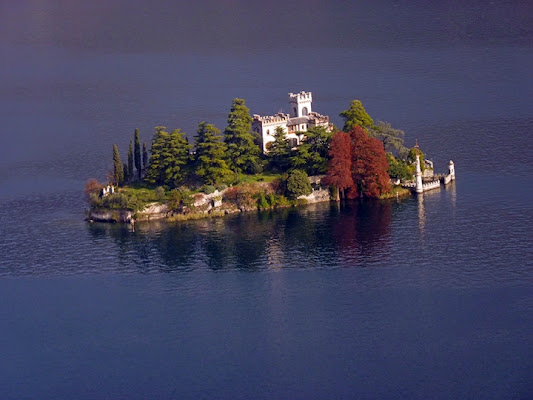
(145, 156)
(242, 153)
(118, 171)
(137, 153)
(126, 172)
(130, 163)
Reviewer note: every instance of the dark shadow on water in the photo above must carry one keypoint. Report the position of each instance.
(315, 236)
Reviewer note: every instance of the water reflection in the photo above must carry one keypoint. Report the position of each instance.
(322, 236)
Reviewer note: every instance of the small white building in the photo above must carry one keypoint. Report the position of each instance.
(295, 124)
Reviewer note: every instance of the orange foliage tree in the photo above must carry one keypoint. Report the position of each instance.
(358, 164)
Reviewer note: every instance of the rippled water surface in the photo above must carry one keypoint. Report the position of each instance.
(424, 297)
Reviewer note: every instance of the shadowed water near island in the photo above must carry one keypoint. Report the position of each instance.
(423, 297)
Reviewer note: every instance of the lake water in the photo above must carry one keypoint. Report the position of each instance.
(427, 297)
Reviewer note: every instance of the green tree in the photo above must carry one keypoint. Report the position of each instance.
(130, 163)
(298, 184)
(312, 154)
(356, 115)
(411, 157)
(145, 156)
(155, 168)
(391, 138)
(118, 171)
(176, 158)
(170, 155)
(137, 153)
(125, 171)
(210, 152)
(242, 153)
(279, 151)
(398, 168)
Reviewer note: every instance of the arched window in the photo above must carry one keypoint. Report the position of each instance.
(305, 111)
(268, 145)
(268, 131)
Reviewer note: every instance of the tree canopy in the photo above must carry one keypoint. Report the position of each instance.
(242, 153)
(279, 151)
(391, 138)
(366, 161)
(210, 163)
(170, 154)
(313, 153)
(118, 169)
(356, 115)
(137, 151)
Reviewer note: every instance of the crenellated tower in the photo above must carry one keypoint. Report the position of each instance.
(300, 104)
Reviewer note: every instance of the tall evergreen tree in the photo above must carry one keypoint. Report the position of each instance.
(356, 115)
(210, 153)
(145, 156)
(280, 150)
(118, 171)
(176, 158)
(312, 154)
(126, 172)
(242, 153)
(137, 153)
(391, 138)
(129, 176)
(170, 155)
(154, 170)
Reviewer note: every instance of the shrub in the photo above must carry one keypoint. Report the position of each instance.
(298, 184)
(159, 193)
(208, 189)
(92, 187)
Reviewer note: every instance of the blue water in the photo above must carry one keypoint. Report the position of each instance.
(427, 297)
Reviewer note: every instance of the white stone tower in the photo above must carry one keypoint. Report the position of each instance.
(418, 188)
(451, 169)
(300, 104)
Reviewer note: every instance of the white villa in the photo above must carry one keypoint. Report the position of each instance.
(295, 124)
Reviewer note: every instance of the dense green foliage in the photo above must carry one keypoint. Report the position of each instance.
(118, 170)
(312, 155)
(130, 163)
(398, 168)
(243, 152)
(356, 115)
(210, 163)
(391, 138)
(170, 155)
(280, 151)
(297, 184)
(411, 157)
(137, 153)
(145, 157)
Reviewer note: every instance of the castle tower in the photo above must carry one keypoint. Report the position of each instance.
(418, 188)
(300, 104)
(451, 169)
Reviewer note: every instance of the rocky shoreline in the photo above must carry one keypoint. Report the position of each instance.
(205, 206)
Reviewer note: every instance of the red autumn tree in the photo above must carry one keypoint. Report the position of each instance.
(369, 164)
(359, 164)
(339, 171)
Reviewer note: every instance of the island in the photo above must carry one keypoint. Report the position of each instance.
(261, 162)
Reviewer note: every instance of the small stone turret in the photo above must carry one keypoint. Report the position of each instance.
(418, 188)
(451, 169)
